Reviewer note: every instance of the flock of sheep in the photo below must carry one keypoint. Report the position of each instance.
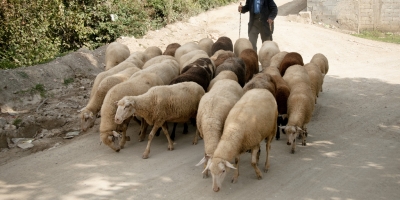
(217, 86)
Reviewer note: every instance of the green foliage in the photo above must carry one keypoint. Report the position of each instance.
(68, 81)
(38, 31)
(380, 36)
(17, 122)
(23, 74)
(40, 89)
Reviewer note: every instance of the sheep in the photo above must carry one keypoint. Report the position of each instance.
(190, 57)
(242, 44)
(267, 51)
(171, 48)
(223, 75)
(250, 58)
(213, 109)
(136, 85)
(300, 104)
(205, 63)
(89, 112)
(322, 62)
(243, 131)
(166, 67)
(236, 65)
(316, 78)
(220, 56)
(206, 44)
(152, 52)
(292, 58)
(162, 104)
(185, 48)
(115, 54)
(262, 81)
(224, 43)
(276, 60)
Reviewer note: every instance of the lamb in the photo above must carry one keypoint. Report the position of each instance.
(185, 48)
(237, 66)
(171, 48)
(267, 51)
(276, 60)
(224, 43)
(322, 62)
(316, 78)
(250, 58)
(292, 58)
(242, 44)
(300, 105)
(255, 106)
(206, 44)
(220, 56)
(89, 112)
(261, 81)
(136, 85)
(162, 104)
(115, 54)
(223, 75)
(213, 109)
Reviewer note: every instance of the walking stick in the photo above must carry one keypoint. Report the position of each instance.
(240, 19)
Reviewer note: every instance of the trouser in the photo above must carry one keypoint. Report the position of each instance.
(256, 29)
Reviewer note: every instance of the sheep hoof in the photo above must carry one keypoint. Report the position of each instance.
(259, 177)
(145, 156)
(117, 150)
(234, 180)
(170, 148)
(127, 138)
(265, 170)
(292, 151)
(205, 175)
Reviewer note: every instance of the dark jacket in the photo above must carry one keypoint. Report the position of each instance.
(268, 9)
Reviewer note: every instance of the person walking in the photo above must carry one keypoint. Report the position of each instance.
(262, 15)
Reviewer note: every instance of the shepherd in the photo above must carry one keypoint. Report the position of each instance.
(262, 16)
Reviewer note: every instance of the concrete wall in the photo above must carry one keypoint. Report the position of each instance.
(383, 15)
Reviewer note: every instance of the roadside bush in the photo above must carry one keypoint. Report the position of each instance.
(35, 32)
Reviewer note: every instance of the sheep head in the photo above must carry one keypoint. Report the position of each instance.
(218, 168)
(125, 109)
(87, 119)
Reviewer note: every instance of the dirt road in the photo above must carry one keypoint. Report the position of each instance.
(353, 142)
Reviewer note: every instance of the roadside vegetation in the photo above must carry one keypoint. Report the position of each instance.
(35, 32)
(380, 36)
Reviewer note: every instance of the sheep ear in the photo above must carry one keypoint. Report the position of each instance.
(228, 164)
(202, 161)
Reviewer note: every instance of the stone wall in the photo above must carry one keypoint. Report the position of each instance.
(357, 15)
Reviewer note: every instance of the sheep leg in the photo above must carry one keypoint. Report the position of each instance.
(236, 173)
(124, 127)
(173, 132)
(170, 143)
(254, 155)
(196, 137)
(143, 130)
(305, 134)
(293, 146)
(268, 148)
(205, 175)
(151, 135)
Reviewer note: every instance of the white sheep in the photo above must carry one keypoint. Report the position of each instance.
(276, 60)
(89, 112)
(240, 45)
(115, 54)
(166, 67)
(267, 51)
(226, 74)
(300, 104)
(187, 47)
(322, 62)
(192, 56)
(316, 78)
(251, 120)
(214, 107)
(161, 104)
(205, 44)
(133, 86)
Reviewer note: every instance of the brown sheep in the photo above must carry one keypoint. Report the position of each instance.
(237, 66)
(250, 59)
(292, 58)
(171, 48)
(224, 43)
